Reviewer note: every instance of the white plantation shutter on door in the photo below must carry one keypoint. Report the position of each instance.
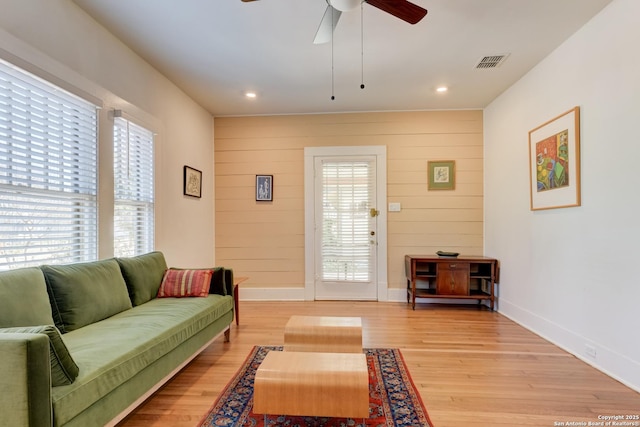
(134, 189)
(48, 173)
(347, 191)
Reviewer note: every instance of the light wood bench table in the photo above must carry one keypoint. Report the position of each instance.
(323, 334)
(312, 384)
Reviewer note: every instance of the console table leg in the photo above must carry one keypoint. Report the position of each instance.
(413, 294)
(408, 290)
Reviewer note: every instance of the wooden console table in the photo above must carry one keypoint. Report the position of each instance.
(462, 277)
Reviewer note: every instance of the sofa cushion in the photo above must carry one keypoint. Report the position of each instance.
(185, 283)
(24, 300)
(85, 293)
(143, 275)
(217, 282)
(112, 351)
(228, 282)
(63, 369)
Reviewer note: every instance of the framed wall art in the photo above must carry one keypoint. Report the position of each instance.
(192, 182)
(442, 175)
(554, 162)
(264, 188)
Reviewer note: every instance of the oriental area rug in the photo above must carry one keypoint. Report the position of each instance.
(393, 399)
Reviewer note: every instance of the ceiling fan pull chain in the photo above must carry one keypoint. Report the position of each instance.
(332, 80)
(361, 45)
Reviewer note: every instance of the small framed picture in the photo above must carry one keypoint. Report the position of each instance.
(264, 188)
(442, 175)
(192, 182)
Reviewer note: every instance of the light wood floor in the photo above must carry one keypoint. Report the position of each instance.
(471, 367)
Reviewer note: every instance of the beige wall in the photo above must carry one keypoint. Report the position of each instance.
(265, 241)
(61, 43)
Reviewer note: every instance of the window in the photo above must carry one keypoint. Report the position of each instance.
(134, 189)
(48, 173)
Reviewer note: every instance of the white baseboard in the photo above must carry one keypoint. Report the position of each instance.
(613, 364)
(396, 295)
(298, 294)
(285, 294)
(271, 294)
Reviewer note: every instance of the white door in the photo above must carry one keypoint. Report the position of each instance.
(346, 217)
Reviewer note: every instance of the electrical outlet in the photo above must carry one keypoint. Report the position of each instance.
(590, 351)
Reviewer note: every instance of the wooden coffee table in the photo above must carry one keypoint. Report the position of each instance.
(312, 384)
(323, 334)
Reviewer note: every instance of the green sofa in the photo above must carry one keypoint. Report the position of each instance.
(84, 344)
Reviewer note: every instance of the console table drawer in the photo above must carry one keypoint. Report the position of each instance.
(452, 278)
(453, 265)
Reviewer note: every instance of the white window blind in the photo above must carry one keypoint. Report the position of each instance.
(134, 189)
(347, 191)
(48, 173)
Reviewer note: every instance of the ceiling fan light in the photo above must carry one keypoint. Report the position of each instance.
(344, 5)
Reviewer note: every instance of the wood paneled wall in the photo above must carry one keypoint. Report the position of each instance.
(265, 240)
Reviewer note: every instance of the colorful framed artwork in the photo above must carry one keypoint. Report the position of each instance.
(264, 188)
(192, 182)
(442, 175)
(554, 162)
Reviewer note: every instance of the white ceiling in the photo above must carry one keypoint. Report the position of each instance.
(215, 50)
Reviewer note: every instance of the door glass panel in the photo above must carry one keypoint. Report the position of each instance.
(347, 195)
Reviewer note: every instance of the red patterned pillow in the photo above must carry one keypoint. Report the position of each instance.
(185, 283)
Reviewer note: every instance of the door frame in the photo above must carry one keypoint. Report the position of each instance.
(310, 153)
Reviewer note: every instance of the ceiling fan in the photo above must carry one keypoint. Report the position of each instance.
(401, 9)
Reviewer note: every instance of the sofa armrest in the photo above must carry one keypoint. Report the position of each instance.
(228, 280)
(25, 380)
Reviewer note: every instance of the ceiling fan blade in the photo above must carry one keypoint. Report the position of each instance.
(248, 0)
(409, 12)
(327, 25)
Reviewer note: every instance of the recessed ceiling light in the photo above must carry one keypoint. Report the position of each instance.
(250, 94)
(442, 89)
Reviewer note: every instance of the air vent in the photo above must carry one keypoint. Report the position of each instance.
(492, 61)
